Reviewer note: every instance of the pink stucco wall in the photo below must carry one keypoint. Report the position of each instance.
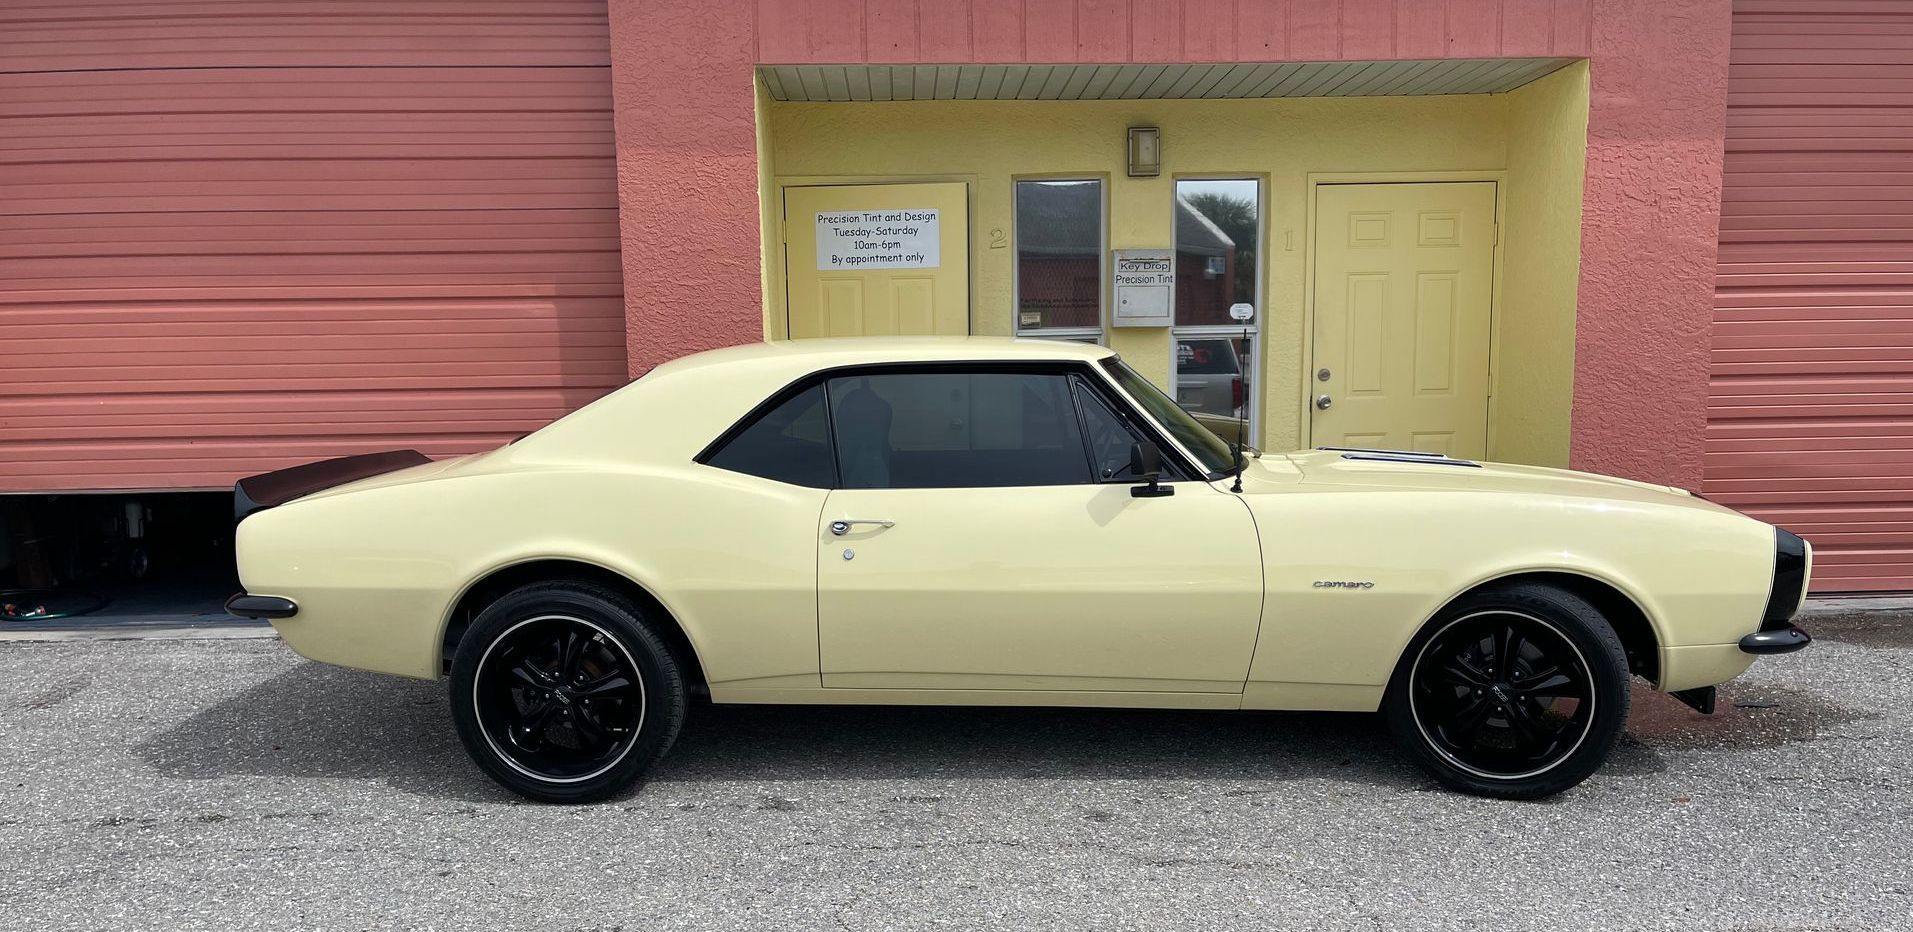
(1650, 217)
(688, 178)
(685, 99)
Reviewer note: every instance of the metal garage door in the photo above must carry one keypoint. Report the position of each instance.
(1811, 421)
(243, 234)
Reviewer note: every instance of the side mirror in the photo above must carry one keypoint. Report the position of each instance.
(1145, 460)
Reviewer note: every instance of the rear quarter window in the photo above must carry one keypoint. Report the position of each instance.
(788, 443)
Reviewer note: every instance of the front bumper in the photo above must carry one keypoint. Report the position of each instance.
(1793, 564)
(268, 607)
(1775, 641)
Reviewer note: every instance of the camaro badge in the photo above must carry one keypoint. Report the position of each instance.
(1343, 584)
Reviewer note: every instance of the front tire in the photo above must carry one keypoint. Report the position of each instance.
(562, 692)
(1514, 692)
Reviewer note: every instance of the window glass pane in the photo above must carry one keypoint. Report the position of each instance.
(1210, 452)
(790, 443)
(1059, 254)
(1209, 375)
(1109, 438)
(926, 430)
(1217, 243)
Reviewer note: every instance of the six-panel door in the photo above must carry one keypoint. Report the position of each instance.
(1403, 288)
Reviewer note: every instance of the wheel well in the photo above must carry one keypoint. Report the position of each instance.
(499, 583)
(1638, 640)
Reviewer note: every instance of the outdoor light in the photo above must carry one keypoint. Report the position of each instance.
(1145, 152)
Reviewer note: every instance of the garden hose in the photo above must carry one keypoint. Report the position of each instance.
(47, 604)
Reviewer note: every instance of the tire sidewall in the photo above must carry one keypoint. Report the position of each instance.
(1583, 627)
(662, 686)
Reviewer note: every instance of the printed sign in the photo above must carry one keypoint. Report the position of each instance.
(1145, 287)
(848, 240)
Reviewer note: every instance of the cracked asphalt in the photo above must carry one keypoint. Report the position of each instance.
(230, 785)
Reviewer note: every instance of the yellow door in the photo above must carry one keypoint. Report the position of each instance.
(1403, 285)
(877, 260)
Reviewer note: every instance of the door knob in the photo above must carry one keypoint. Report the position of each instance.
(1323, 401)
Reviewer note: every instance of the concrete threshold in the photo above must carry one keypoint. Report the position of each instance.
(1857, 608)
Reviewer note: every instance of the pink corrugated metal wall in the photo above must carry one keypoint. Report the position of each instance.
(236, 236)
(1811, 410)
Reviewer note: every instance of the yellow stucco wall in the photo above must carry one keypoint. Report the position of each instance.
(1541, 267)
(991, 144)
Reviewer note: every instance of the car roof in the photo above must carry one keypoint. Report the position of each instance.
(679, 407)
(810, 355)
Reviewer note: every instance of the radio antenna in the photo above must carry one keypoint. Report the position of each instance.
(1244, 313)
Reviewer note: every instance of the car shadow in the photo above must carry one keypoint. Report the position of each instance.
(318, 721)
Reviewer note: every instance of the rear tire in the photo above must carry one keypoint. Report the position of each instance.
(1515, 692)
(564, 693)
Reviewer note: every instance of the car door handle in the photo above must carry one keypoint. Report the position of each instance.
(843, 526)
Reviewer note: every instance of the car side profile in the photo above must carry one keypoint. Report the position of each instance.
(972, 521)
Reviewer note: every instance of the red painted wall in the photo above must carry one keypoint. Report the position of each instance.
(688, 179)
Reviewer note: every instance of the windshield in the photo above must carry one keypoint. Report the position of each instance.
(1210, 452)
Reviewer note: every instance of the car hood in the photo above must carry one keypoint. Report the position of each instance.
(1337, 468)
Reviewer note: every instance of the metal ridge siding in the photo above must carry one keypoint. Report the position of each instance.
(1811, 405)
(239, 236)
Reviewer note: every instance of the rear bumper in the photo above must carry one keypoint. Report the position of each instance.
(1777, 641)
(269, 607)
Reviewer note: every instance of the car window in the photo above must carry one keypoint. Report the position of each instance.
(789, 443)
(941, 430)
(1213, 454)
(1110, 439)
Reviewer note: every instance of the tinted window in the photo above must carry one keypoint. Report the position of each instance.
(925, 430)
(1059, 255)
(1109, 438)
(789, 443)
(1210, 451)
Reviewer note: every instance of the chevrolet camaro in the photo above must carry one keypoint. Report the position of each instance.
(998, 522)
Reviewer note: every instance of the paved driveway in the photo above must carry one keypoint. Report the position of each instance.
(230, 785)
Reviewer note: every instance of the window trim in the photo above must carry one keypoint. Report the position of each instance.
(1177, 462)
(1079, 383)
(1257, 350)
(1101, 330)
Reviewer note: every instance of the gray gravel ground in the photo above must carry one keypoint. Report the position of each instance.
(230, 785)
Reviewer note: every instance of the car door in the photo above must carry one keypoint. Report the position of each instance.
(983, 536)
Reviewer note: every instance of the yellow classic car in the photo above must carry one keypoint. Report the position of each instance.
(998, 522)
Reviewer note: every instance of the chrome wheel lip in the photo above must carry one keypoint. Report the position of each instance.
(1428, 739)
(478, 712)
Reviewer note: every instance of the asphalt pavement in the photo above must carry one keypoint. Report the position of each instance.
(227, 784)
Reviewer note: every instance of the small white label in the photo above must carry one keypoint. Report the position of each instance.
(849, 240)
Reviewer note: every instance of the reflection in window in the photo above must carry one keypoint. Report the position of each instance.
(1218, 254)
(1059, 256)
(1217, 228)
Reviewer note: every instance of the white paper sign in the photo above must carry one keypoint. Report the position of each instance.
(848, 240)
(1145, 287)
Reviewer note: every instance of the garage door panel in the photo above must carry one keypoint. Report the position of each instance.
(258, 234)
(1811, 410)
(156, 34)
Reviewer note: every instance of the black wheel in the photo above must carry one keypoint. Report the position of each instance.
(562, 692)
(1516, 692)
